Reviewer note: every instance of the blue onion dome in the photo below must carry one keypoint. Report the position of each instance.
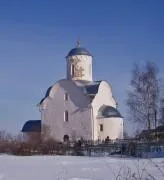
(79, 51)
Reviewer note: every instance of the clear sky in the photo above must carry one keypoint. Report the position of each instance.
(35, 37)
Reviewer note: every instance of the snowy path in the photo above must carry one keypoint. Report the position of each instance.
(78, 168)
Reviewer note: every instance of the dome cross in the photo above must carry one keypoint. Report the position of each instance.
(77, 43)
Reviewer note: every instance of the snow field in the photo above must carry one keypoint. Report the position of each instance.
(79, 168)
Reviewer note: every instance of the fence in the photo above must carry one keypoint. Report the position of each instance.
(129, 147)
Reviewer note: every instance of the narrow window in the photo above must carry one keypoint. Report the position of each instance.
(90, 69)
(101, 127)
(66, 116)
(72, 70)
(66, 96)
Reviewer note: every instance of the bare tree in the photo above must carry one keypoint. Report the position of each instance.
(143, 97)
(2, 135)
(33, 137)
(126, 135)
(45, 132)
(161, 116)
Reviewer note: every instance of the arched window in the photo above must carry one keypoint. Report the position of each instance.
(90, 69)
(73, 70)
(66, 138)
(66, 116)
(66, 96)
(101, 127)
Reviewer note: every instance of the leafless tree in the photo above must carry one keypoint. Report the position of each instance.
(161, 116)
(126, 135)
(2, 135)
(45, 132)
(143, 97)
(33, 138)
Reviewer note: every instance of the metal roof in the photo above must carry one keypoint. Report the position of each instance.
(32, 126)
(79, 51)
(92, 89)
(46, 95)
(89, 88)
(108, 112)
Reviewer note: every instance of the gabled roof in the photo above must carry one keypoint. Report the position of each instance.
(32, 126)
(46, 95)
(108, 112)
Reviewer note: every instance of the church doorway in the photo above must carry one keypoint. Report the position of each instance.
(66, 138)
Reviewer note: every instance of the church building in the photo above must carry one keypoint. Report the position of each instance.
(79, 107)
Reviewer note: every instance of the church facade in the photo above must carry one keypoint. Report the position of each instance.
(79, 107)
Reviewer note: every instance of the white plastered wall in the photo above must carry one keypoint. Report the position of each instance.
(105, 97)
(79, 123)
(112, 127)
(84, 62)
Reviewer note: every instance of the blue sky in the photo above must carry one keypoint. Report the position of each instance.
(35, 37)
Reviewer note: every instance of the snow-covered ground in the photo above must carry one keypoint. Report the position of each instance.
(79, 168)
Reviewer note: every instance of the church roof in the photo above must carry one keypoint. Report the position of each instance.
(32, 126)
(46, 95)
(79, 51)
(90, 88)
(108, 112)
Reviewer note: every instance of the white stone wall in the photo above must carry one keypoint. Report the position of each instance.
(112, 127)
(79, 124)
(84, 64)
(83, 120)
(105, 97)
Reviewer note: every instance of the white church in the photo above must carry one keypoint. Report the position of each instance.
(79, 107)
